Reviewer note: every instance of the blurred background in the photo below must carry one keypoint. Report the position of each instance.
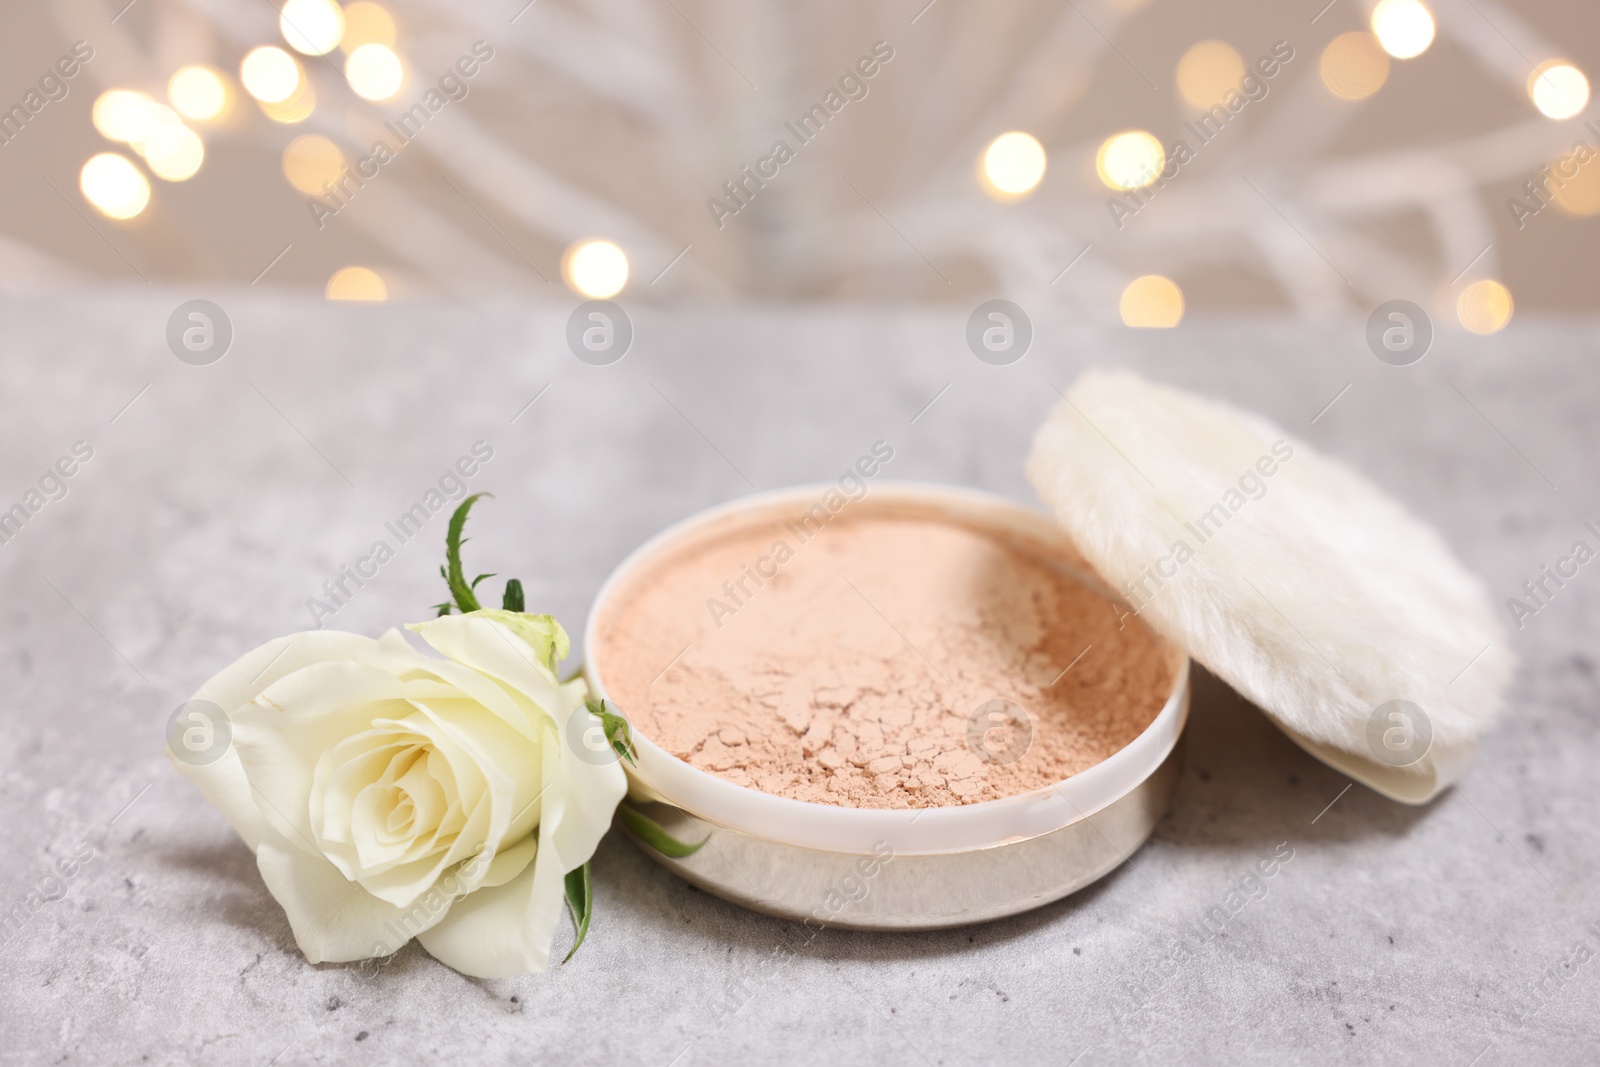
(1132, 160)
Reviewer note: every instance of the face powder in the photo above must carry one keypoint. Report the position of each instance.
(879, 656)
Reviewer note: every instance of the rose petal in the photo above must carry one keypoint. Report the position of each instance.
(223, 782)
(335, 920)
(497, 651)
(504, 931)
(589, 794)
(492, 762)
(517, 709)
(509, 862)
(282, 734)
(223, 785)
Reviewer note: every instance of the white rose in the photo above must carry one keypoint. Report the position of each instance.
(390, 795)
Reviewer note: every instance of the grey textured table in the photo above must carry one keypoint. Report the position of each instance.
(217, 503)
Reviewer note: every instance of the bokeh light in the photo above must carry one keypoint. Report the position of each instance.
(114, 186)
(159, 119)
(1578, 195)
(1354, 66)
(1013, 165)
(1484, 306)
(374, 72)
(1207, 71)
(1404, 28)
(269, 74)
(123, 115)
(136, 119)
(174, 152)
(357, 283)
(1152, 302)
(313, 27)
(1559, 90)
(596, 269)
(198, 93)
(311, 163)
(366, 23)
(1130, 160)
(297, 108)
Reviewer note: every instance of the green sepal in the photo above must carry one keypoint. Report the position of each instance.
(618, 732)
(650, 832)
(580, 903)
(513, 600)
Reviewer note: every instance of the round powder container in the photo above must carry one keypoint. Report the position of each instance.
(910, 710)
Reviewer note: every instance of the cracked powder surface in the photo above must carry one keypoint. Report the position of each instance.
(854, 664)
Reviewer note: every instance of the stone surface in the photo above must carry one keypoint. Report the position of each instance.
(220, 500)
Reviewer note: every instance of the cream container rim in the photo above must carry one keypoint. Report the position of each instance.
(828, 828)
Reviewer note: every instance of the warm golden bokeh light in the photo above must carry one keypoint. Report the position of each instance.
(198, 93)
(297, 108)
(1484, 306)
(366, 23)
(1558, 89)
(1130, 160)
(1578, 195)
(313, 27)
(357, 283)
(1152, 302)
(1353, 66)
(174, 152)
(1013, 165)
(596, 269)
(123, 115)
(1207, 71)
(374, 72)
(161, 119)
(1404, 28)
(136, 119)
(114, 186)
(311, 163)
(269, 74)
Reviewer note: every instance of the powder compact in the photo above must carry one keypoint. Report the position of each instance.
(894, 706)
(917, 708)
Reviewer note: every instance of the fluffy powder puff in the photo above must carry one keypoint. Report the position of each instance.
(1307, 589)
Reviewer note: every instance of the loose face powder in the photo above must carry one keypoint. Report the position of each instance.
(879, 656)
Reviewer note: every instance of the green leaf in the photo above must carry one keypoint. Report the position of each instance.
(650, 832)
(580, 902)
(480, 578)
(618, 732)
(465, 599)
(513, 600)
